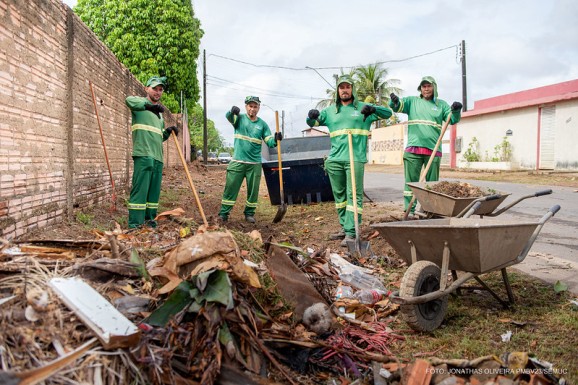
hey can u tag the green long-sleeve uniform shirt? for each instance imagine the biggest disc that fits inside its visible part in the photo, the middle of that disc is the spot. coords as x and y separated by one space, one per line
425 119
248 137
348 118
148 131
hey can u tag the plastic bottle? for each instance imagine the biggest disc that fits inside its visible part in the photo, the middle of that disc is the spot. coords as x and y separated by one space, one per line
343 291
370 297
361 280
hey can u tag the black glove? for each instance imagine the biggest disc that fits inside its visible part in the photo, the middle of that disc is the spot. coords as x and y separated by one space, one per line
171 129
394 98
367 110
456 106
278 136
235 110
156 109
313 114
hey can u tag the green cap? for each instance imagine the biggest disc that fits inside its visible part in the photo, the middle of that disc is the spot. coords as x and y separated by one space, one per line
250 99
344 79
156 81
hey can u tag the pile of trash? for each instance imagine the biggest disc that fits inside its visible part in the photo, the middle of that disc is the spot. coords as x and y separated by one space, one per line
173 305
165 306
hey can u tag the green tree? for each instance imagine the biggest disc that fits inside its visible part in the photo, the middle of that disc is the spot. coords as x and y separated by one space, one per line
158 37
373 85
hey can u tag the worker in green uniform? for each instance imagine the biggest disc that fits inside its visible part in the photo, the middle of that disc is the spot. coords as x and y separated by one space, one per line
250 131
148 135
426 115
347 114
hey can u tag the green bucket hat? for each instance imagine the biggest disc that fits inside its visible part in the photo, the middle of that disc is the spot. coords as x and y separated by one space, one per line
432 81
156 81
250 99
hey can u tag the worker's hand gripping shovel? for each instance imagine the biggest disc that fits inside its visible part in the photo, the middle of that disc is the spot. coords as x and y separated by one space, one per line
357 248
428 165
282 209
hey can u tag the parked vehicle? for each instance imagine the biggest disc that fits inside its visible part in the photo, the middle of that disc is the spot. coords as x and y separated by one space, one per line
212 157
224 157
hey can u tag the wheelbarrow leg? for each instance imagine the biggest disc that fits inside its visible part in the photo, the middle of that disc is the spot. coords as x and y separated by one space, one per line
505 304
507 285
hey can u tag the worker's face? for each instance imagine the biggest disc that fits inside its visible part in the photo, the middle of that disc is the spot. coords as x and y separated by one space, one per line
155 93
345 93
427 91
252 110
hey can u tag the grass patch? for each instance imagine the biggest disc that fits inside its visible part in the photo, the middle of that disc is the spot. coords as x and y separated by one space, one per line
542 323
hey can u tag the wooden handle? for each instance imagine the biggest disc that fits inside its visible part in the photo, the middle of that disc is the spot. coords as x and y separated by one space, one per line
279 163
190 179
103 146
430 161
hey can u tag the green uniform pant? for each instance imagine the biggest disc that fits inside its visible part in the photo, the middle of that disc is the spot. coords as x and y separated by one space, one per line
145 192
236 172
412 166
340 177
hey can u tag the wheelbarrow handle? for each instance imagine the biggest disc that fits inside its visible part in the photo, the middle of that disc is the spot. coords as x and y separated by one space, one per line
554 209
544 192
476 205
492 197
512 204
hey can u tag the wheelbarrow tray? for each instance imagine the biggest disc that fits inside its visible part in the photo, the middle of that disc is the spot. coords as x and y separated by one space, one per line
476 245
447 206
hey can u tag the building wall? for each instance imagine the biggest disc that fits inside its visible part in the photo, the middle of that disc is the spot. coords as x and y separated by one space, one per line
566 140
51 153
386 145
490 129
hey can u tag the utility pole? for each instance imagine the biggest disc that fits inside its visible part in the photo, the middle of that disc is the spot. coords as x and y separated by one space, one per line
205 133
283 122
464 78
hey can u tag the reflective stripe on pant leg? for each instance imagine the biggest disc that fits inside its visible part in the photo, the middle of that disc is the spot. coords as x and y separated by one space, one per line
154 191
253 175
338 179
141 177
412 165
234 179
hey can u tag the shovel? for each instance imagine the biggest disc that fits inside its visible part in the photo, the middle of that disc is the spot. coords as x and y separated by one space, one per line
282 209
430 161
113 194
358 247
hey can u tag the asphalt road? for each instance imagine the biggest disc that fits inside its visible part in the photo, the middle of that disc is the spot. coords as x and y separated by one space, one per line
554 254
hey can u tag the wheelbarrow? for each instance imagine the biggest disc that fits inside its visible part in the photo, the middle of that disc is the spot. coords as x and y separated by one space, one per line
472 246
435 204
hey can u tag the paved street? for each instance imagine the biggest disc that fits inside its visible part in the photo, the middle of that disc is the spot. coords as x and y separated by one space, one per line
554 255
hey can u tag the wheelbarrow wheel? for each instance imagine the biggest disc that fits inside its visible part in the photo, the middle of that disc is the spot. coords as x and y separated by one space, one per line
421 278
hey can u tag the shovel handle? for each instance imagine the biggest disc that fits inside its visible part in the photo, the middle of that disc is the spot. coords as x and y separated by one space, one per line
430 161
189 178
353 187
280 164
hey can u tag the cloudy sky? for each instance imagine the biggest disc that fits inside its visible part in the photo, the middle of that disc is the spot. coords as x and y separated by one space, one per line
511 45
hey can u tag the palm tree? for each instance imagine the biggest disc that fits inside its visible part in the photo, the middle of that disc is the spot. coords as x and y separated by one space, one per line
373 85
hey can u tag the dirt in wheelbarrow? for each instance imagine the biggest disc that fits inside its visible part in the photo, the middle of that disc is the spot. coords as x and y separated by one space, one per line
456 189
543 322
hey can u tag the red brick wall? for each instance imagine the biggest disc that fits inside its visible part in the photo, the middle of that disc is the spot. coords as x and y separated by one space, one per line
51 153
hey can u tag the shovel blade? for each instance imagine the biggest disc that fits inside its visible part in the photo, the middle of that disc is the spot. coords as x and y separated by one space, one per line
281 210
359 248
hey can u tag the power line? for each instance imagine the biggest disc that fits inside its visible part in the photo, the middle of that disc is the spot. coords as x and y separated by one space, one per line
254 88
268 93
307 68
